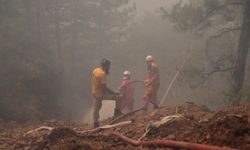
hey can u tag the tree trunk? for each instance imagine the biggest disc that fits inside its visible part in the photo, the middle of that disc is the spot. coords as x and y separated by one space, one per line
28 8
38 22
1 7
242 54
58 37
74 43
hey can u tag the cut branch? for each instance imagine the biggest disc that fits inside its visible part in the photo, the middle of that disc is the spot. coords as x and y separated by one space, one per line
106 127
158 124
173 80
38 129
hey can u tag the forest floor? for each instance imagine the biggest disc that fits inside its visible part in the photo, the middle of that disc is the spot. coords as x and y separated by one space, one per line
195 124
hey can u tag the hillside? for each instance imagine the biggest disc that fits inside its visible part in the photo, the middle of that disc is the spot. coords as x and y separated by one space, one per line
188 123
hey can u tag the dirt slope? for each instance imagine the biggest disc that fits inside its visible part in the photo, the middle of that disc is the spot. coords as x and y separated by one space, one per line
230 128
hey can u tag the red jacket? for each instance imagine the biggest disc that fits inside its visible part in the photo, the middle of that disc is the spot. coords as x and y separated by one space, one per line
153 77
127 89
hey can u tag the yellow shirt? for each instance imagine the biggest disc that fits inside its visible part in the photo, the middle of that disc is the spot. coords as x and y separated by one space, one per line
98 79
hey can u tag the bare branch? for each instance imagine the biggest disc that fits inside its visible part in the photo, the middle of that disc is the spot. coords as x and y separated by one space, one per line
212 12
219 35
219 70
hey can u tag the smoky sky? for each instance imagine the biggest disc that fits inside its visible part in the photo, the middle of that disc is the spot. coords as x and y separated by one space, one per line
144 6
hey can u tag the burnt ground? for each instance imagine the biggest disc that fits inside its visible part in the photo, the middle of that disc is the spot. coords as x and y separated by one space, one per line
227 128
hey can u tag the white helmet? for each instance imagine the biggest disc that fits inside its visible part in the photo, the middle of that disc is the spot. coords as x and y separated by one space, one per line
126 73
149 58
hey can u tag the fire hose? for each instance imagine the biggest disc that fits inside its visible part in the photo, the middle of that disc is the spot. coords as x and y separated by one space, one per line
169 143
125 115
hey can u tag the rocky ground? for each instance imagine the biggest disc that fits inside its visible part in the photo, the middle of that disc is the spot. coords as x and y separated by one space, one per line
227 128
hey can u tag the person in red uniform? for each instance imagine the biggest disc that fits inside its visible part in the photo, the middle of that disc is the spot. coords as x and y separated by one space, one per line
152 83
126 89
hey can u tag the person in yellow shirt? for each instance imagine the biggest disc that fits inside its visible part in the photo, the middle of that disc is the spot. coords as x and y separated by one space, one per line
101 92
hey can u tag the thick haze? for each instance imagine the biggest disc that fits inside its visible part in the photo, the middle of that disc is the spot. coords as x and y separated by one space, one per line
150 35
151 6
49 49
155 36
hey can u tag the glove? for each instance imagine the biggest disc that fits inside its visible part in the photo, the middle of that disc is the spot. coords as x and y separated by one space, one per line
117 93
145 99
147 83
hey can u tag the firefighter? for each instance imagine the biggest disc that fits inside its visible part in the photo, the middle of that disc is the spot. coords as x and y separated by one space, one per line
152 83
127 91
101 92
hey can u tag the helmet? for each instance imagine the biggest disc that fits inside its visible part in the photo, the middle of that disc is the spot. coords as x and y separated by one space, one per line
149 58
105 63
126 73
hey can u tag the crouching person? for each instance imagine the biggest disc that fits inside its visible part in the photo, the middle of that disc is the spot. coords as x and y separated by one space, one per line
127 92
101 92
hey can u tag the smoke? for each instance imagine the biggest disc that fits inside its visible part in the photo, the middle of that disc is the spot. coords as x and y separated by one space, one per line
62 48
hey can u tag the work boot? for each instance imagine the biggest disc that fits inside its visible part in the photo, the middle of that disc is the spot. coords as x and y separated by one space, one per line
117 113
132 118
145 108
156 106
96 125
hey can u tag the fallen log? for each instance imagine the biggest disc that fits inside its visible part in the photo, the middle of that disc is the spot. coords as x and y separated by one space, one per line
106 127
168 143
